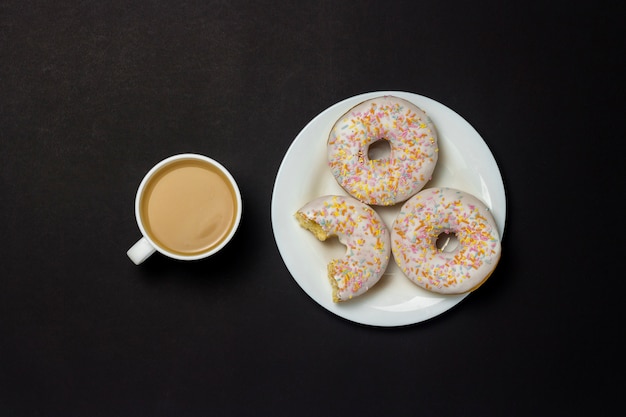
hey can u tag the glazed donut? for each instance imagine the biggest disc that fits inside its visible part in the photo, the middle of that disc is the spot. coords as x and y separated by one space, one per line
363 233
411 161
432 214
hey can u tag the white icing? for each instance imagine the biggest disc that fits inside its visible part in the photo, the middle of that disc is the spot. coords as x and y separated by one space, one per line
412 157
435 211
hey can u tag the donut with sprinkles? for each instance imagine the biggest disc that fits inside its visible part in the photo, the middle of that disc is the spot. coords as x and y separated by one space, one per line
390 179
364 234
421 236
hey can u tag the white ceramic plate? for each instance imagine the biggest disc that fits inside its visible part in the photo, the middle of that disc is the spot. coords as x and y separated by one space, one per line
465 163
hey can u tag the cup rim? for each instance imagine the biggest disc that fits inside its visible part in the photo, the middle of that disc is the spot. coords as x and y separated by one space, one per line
167 161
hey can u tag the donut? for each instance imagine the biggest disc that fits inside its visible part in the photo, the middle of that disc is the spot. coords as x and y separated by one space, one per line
412 156
364 234
444 215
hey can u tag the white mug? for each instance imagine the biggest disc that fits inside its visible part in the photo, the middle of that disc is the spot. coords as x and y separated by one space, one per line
187 207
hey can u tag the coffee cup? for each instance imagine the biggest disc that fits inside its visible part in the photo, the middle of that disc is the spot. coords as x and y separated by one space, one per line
187 207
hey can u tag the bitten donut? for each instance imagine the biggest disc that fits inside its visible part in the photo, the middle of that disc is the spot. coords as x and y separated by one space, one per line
363 233
412 157
435 214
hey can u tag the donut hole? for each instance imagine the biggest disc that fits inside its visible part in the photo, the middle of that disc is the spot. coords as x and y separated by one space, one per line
447 242
334 248
380 149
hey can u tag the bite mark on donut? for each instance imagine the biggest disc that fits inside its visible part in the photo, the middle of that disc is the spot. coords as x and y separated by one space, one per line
312 226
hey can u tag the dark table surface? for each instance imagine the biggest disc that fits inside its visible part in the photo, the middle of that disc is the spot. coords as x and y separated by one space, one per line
93 93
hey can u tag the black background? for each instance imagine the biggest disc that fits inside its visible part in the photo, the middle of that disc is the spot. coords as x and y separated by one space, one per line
94 93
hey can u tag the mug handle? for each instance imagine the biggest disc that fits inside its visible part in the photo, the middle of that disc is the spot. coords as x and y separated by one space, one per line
140 251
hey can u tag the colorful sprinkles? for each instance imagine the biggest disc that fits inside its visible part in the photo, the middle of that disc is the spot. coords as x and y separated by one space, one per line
410 164
421 221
